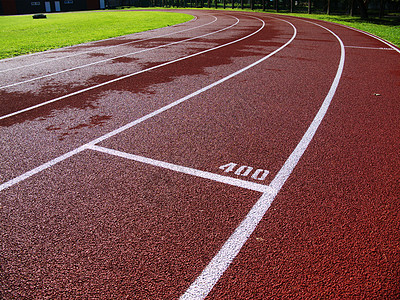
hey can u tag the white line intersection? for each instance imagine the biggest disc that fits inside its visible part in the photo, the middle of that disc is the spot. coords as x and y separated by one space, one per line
190 171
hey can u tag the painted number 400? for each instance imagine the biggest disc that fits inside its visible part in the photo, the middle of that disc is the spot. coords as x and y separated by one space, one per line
258 174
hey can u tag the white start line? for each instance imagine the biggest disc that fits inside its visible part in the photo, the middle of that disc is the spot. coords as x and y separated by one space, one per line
194 172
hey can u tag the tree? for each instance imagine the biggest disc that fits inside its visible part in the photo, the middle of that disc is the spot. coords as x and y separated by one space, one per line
363 5
382 9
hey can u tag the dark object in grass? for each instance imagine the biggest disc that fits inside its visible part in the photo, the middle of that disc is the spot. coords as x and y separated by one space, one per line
39 16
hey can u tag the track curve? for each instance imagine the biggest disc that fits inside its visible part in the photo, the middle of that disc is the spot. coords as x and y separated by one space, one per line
147 170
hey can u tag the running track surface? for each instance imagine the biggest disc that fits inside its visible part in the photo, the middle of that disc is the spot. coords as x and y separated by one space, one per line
235 156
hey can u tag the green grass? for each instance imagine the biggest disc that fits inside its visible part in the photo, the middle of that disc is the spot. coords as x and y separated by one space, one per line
386 28
23 34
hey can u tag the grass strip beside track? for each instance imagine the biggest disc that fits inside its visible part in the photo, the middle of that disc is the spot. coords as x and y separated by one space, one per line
387 29
23 34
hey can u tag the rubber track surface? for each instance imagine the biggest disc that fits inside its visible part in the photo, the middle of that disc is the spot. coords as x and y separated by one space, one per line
235 156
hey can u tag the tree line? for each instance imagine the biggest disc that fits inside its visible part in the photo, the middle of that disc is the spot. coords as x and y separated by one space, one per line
362 8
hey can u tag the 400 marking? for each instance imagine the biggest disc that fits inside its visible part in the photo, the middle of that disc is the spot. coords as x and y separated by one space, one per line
258 174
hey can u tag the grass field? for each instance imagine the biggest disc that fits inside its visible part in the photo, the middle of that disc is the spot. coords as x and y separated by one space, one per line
23 34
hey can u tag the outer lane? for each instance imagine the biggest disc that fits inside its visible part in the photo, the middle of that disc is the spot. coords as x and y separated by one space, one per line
102 237
333 230
53 80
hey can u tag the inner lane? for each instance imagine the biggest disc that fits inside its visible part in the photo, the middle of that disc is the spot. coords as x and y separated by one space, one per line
95 76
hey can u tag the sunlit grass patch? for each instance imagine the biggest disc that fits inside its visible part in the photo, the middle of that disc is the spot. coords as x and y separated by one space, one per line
23 34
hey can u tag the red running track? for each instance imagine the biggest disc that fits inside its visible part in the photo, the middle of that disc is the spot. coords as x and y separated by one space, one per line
235 156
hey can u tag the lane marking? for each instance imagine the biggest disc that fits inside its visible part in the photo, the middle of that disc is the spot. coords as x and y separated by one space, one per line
204 283
301 147
186 170
373 36
41 168
84 147
360 31
116 57
95 50
130 75
243 170
369 48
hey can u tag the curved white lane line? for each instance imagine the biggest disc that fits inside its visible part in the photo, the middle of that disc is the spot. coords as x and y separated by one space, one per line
97 50
203 284
373 36
136 73
69 154
293 159
89 43
111 58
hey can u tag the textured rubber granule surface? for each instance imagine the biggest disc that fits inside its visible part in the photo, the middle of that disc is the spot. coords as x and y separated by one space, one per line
126 170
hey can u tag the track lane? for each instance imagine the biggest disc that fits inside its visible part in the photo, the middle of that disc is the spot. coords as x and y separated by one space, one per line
99 77
331 232
116 242
205 282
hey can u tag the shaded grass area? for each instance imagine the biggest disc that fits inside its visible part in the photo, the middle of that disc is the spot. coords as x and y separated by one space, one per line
23 34
387 28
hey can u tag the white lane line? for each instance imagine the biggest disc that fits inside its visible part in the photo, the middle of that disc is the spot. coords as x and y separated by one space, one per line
133 123
204 283
116 57
294 158
189 171
41 168
130 75
368 48
95 50
373 36
393 47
